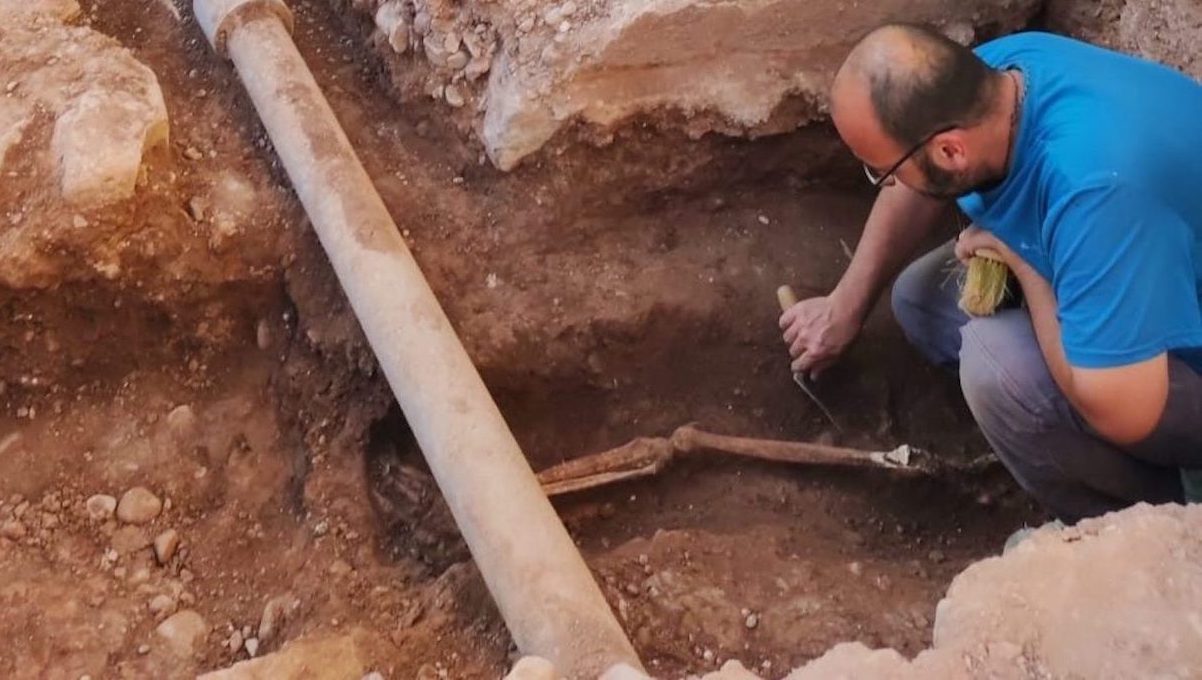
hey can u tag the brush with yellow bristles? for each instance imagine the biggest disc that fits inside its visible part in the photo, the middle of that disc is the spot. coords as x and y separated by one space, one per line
985 283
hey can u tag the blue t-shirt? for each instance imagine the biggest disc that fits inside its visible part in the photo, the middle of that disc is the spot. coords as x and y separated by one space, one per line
1104 197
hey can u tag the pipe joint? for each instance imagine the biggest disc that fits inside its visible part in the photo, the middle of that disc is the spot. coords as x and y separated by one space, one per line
218 17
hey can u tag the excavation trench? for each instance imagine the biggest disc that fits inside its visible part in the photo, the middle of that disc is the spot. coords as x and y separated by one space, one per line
626 302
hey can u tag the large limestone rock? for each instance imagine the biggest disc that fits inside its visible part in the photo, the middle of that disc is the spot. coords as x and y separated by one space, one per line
1115 597
734 66
106 106
1164 30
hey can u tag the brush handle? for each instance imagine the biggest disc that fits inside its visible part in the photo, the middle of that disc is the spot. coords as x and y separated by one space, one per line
786 297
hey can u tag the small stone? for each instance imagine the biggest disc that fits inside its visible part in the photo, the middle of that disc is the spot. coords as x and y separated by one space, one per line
184 632
182 420
275 614
192 153
752 621
100 507
13 530
165 545
197 208
143 649
234 643
340 568
79 222
526 24
161 604
453 96
708 655
763 219
252 646
855 568
374 675
458 60
138 506
321 528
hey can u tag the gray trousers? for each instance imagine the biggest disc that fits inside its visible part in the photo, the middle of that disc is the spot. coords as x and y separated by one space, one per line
1051 451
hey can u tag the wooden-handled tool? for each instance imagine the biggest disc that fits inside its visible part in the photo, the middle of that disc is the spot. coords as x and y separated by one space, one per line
787 298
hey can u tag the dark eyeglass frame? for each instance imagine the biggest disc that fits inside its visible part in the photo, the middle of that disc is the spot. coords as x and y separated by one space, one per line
880 181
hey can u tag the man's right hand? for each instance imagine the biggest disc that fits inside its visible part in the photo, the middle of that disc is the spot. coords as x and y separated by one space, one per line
817 332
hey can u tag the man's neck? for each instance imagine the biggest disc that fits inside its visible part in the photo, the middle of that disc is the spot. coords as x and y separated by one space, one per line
1001 132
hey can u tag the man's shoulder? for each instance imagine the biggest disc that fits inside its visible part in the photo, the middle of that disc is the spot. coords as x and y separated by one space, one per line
1005 50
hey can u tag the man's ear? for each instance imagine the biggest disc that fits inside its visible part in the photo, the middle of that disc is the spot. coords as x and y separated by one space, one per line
950 150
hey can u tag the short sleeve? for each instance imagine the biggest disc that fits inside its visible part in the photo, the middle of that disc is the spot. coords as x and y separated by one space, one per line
1123 274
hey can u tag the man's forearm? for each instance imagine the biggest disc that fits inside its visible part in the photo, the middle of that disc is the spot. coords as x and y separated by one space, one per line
901 219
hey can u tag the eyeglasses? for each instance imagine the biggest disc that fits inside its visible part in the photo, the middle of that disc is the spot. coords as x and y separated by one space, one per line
886 178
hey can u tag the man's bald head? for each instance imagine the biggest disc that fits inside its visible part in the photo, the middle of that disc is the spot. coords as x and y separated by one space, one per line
915 80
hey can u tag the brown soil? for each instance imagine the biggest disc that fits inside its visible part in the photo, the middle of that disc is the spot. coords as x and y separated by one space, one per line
604 293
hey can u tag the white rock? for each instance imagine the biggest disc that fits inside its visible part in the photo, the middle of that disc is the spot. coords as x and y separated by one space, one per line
390 19
100 138
101 506
165 545
453 96
138 506
532 668
182 420
252 646
161 604
275 615
184 632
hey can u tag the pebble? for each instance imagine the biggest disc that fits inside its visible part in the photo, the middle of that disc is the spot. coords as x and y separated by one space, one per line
192 153
184 632
458 60
12 529
752 620
138 506
275 615
763 219
252 646
161 604
165 545
453 96
855 568
181 420
196 208
374 675
144 649
234 643
101 506
79 222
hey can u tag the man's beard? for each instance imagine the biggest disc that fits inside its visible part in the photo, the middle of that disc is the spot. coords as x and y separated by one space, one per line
947 185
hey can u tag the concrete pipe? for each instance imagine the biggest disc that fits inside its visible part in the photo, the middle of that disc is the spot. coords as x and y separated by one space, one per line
543 588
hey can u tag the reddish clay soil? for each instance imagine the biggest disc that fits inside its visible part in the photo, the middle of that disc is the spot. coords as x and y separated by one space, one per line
605 293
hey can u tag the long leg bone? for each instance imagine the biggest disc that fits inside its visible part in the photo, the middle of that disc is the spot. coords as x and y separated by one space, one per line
646 456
